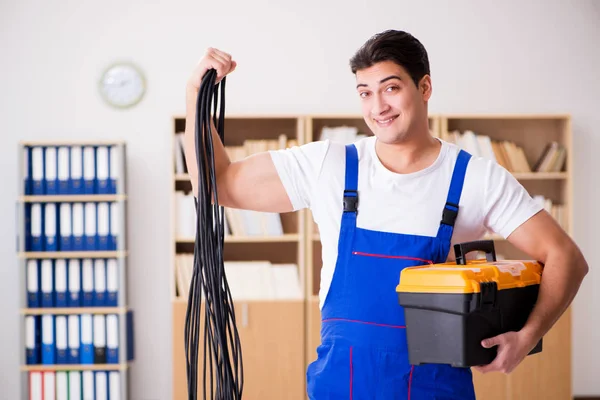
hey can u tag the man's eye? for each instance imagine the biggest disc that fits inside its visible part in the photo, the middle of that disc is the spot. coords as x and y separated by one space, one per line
391 88
363 94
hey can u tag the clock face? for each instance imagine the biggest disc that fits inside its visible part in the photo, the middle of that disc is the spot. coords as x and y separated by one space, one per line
122 85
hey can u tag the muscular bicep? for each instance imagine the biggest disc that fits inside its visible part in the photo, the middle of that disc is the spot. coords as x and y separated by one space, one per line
253 184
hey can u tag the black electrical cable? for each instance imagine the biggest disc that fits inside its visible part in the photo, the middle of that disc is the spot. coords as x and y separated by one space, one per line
222 348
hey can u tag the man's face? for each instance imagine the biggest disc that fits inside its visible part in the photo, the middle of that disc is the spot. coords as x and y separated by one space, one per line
391 103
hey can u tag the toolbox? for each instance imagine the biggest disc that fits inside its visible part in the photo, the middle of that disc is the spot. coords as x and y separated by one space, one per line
451 307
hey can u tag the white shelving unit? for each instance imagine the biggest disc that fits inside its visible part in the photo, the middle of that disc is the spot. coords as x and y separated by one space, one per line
117 201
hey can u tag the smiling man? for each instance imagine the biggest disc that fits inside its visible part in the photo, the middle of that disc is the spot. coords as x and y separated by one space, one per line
386 202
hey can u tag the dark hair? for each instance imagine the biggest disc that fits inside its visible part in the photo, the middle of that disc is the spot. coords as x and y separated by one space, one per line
397 46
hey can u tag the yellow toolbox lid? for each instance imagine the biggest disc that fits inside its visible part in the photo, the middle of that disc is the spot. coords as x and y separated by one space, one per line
457 278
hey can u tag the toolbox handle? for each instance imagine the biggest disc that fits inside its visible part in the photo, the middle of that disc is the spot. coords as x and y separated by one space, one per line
461 250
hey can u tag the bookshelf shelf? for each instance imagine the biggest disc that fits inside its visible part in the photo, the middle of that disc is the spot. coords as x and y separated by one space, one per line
74 310
33 143
541 175
76 367
182 177
72 198
506 117
288 237
73 254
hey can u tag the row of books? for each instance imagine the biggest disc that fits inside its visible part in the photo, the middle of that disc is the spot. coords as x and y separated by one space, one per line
235 153
237 222
72 339
341 134
508 154
553 158
54 170
255 146
78 283
64 385
248 280
71 226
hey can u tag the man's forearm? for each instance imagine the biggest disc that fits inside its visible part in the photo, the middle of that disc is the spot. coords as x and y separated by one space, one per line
221 158
562 275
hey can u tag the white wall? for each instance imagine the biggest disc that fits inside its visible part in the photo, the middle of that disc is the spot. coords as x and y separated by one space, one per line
505 57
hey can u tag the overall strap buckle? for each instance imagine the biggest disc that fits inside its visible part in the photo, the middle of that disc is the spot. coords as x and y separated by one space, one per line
350 201
450 213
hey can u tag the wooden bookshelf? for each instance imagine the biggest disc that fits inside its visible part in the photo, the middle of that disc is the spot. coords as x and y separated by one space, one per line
546 375
286 237
273 368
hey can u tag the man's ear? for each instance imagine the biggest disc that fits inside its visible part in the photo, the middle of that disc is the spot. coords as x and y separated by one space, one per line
425 87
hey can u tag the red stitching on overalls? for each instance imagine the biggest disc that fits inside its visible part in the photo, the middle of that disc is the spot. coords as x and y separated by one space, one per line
359 253
364 322
351 372
412 367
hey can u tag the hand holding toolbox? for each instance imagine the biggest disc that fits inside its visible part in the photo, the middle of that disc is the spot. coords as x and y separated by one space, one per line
451 307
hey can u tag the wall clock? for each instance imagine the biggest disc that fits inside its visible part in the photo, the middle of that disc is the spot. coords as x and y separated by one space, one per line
122 85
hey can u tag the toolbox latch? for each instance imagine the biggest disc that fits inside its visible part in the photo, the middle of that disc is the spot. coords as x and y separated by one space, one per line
487 299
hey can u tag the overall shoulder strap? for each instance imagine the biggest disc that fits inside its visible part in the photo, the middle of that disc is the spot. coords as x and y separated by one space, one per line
351 186
450 211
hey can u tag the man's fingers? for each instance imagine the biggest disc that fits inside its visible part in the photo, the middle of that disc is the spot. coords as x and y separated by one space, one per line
493 366
221 62
220 59
496 364
500 364
491 342
222 54
225 64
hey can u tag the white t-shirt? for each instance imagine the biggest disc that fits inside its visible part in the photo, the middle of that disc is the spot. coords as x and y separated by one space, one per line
314 175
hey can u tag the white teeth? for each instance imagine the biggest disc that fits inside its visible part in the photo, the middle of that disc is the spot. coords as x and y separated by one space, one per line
385 121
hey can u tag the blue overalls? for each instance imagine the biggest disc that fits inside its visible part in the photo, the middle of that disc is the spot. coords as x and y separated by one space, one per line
363 352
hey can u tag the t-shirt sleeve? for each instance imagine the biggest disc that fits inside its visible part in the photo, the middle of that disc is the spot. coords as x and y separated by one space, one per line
507 203
299 168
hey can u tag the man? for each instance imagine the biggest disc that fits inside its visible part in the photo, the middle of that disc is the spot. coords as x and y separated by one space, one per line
379 205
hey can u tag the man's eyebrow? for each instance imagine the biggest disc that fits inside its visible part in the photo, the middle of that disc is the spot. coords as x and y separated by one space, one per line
390 77
381 81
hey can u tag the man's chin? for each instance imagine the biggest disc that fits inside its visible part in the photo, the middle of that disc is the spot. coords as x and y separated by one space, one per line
390 137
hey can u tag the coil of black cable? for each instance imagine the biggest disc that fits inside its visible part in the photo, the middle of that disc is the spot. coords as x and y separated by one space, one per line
222 372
